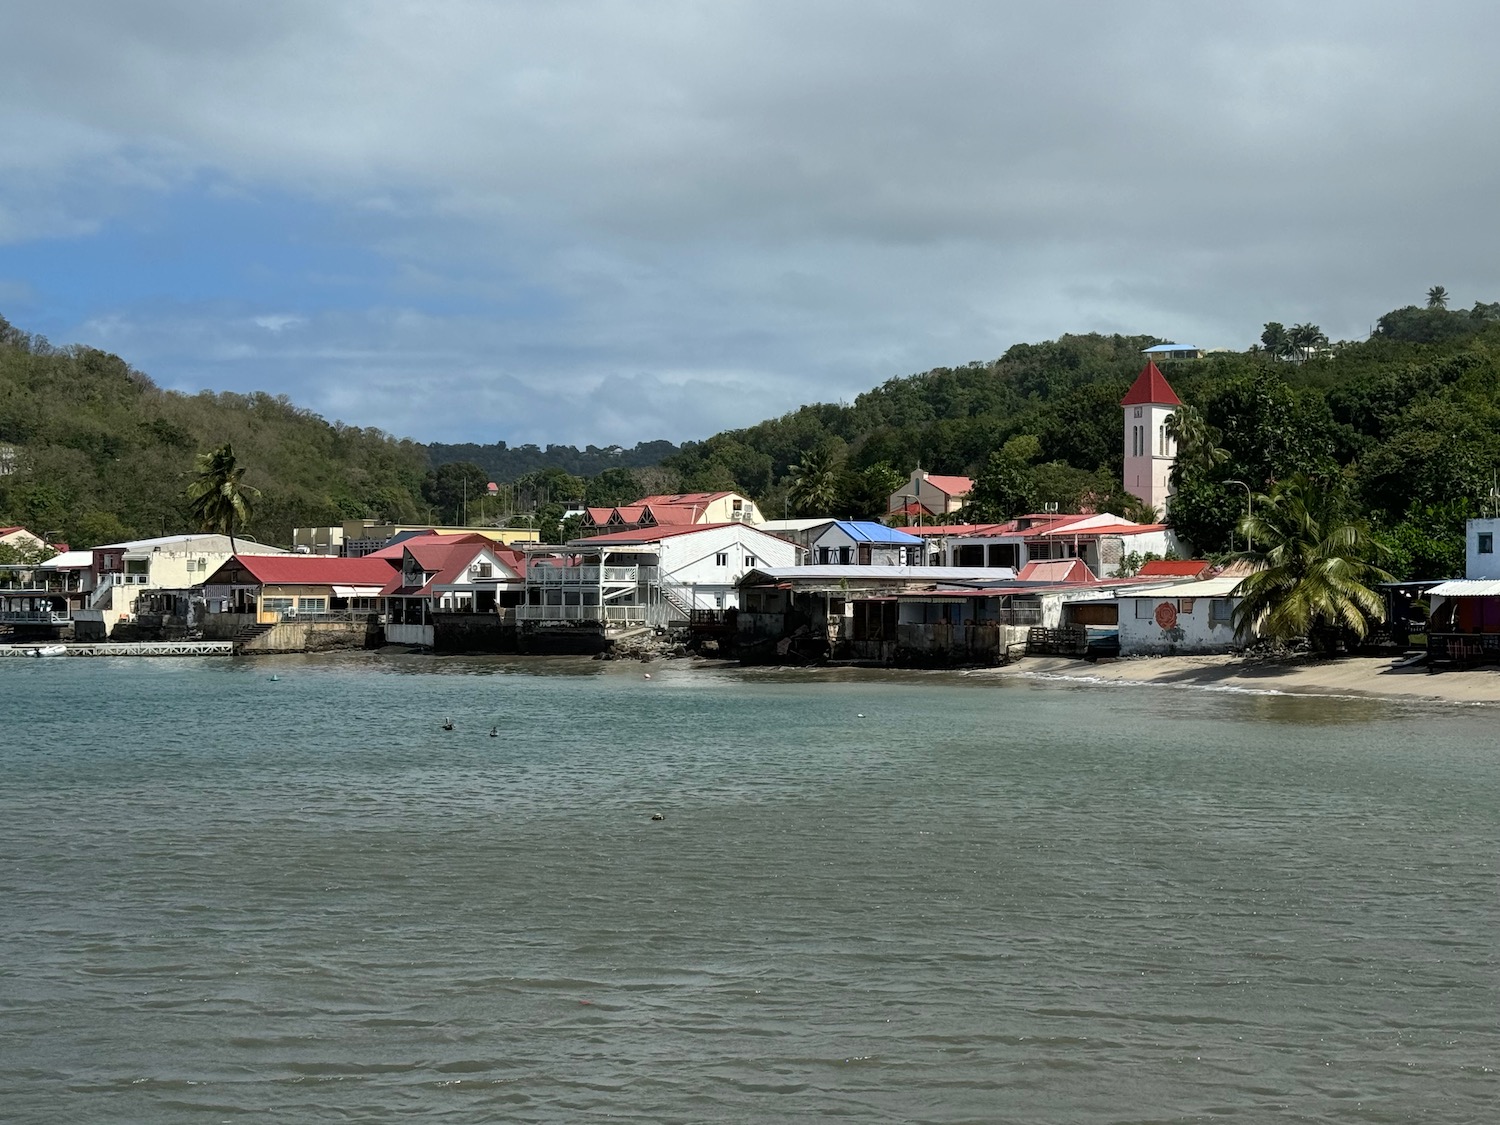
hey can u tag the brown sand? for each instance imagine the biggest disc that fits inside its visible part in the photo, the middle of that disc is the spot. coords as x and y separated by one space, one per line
1353 675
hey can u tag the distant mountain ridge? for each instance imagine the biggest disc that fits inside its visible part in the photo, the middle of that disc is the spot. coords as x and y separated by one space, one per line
506 463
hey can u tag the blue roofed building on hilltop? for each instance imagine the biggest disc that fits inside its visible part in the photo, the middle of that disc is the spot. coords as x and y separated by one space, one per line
866 543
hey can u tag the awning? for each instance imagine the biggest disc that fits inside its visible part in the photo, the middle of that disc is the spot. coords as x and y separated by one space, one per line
356 591
1467 588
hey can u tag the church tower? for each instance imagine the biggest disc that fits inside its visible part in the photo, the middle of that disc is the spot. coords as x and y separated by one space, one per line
1149 452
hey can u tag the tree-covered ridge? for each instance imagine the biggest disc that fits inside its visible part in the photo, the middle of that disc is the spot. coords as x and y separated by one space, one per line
506 464
99 453
1403 425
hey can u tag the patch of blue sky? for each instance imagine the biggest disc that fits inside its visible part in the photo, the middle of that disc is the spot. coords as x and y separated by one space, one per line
204 245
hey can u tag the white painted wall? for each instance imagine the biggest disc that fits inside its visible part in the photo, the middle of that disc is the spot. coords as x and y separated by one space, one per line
1148 473
693 561
1194 631
1482 564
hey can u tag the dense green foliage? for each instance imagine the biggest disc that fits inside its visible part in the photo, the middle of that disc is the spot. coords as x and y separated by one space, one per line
1406 424
102 454
1313 567
505 463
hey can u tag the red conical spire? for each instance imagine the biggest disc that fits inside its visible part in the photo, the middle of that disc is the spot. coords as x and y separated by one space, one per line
1151 386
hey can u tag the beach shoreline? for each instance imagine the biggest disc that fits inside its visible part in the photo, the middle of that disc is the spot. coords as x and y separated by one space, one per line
1372 676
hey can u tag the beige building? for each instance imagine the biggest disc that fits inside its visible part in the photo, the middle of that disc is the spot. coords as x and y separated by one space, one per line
927 495
354 538
121 572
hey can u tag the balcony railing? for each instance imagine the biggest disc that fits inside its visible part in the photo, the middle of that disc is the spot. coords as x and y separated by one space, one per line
588 575
33 617
613 614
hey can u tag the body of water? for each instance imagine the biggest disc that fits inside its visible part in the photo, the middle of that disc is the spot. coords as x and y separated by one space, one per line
277 891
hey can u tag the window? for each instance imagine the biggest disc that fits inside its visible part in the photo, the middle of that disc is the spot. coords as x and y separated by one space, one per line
1143 609
1161 440
846 554
721 559
749 560
276 605
1138 411
483 570
1220 611
312 605
1486 542
823 554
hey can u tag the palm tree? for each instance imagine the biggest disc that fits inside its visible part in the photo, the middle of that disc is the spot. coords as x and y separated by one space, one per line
1304 338
815 481
1276 341
1437 297
1197 442
1312 569
219 499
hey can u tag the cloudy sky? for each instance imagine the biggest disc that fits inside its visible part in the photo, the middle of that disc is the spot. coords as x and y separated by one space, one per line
610 222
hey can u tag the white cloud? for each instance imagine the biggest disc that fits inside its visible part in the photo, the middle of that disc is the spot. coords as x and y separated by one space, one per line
682 216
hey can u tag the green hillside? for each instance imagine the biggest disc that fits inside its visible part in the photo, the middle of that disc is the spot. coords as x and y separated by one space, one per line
1403 427
100 453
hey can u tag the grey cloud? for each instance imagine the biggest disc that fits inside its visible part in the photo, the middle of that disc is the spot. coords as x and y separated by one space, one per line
801 200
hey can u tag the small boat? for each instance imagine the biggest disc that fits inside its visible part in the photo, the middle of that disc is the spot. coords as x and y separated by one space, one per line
49 650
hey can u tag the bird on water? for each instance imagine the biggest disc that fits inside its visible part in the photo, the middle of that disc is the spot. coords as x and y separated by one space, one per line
494 732
447 724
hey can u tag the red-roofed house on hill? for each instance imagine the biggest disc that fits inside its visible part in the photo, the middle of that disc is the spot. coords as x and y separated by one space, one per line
1149 449
681 509
925 495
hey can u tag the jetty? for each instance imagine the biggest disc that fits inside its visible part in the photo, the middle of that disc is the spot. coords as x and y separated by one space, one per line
136 648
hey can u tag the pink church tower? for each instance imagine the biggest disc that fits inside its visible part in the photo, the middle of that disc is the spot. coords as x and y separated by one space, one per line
1149 452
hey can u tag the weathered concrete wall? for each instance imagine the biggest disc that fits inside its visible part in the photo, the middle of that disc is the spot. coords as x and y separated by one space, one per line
940 645
225 626
309 636
472 632
1189 632
582 641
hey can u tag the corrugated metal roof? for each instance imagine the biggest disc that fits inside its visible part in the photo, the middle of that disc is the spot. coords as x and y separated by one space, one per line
1208 588
1468 588
868 531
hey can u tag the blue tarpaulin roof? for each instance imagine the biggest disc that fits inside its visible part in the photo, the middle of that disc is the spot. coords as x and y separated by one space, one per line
868 531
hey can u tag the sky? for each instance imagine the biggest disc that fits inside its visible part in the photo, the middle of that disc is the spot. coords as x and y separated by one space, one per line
600 222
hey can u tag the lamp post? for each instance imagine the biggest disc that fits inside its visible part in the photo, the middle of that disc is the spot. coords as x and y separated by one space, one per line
1248 509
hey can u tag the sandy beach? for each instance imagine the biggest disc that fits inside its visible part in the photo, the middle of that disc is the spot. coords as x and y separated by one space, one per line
1357 675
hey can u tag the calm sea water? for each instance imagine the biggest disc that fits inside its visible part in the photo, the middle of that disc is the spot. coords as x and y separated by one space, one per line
226 896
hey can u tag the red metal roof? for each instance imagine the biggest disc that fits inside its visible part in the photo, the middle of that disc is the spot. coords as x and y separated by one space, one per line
313 570
649 534
683 498
448 563
1093 532
953 486
395 549
1151 386
1175 568
1056 570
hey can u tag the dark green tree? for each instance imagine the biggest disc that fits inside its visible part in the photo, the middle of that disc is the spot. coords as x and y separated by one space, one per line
1313 570
218 498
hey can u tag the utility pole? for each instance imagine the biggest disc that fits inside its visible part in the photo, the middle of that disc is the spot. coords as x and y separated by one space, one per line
1248 510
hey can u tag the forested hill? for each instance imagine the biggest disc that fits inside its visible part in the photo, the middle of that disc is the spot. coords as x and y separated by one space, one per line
97 453
1405 427
508 463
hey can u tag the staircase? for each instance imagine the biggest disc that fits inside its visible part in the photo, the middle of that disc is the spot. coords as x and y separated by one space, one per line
248 633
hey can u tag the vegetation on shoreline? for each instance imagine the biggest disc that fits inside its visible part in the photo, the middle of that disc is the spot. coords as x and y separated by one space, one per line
1405 426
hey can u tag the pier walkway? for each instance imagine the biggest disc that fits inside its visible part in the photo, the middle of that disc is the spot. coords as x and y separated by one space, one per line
136 648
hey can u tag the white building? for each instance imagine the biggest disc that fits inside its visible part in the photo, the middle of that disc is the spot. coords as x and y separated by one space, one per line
1149 451
655 576
1480 559
1102 540
1190 617
865 543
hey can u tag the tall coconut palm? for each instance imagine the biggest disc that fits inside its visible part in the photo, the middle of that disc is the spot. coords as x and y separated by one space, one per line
1197 442
1304 338
219 499
1437 297
815 482
1312 571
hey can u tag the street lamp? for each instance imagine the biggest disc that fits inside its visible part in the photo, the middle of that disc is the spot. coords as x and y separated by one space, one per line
1248 510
